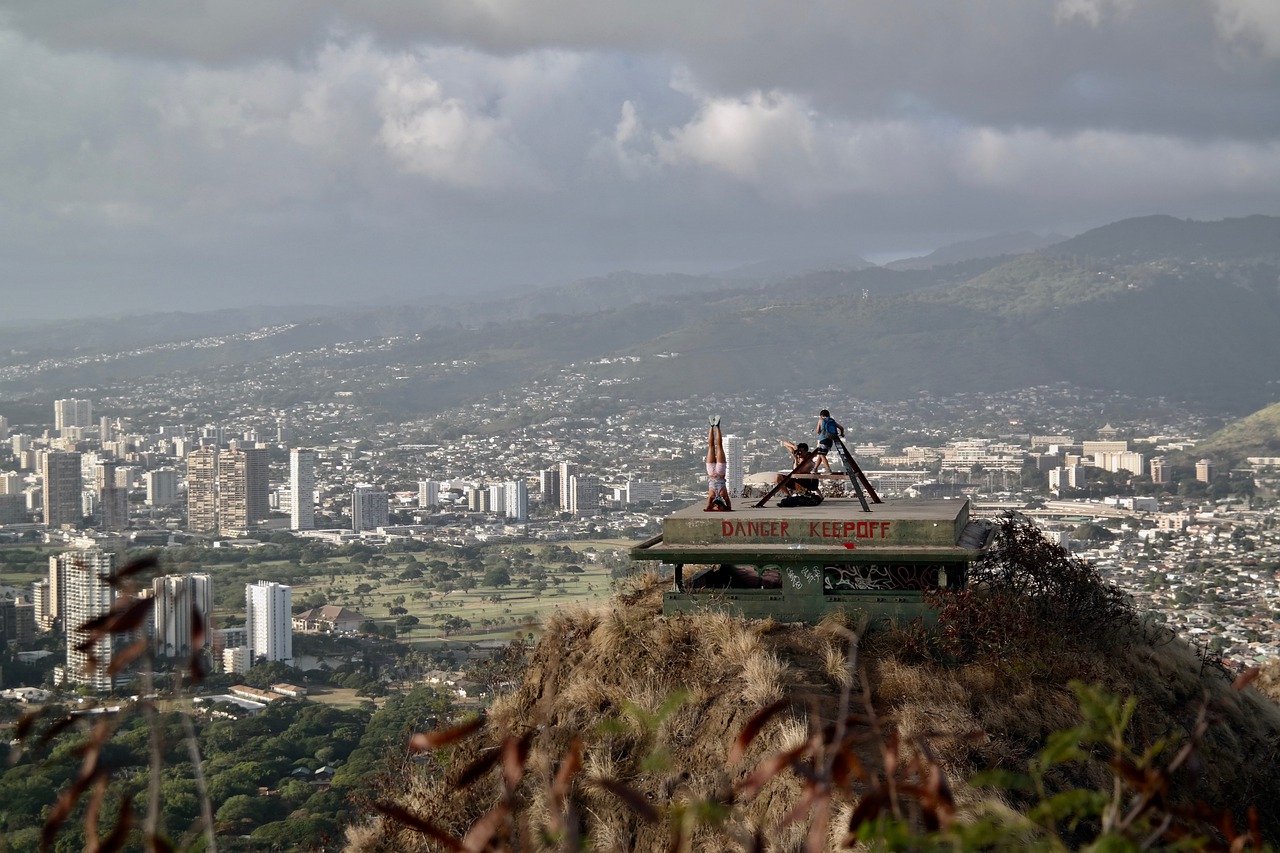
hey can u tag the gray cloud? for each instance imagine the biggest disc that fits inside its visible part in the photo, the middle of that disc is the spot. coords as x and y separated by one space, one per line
275 151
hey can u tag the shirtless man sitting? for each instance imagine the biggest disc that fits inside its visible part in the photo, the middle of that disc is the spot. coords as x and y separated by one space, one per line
799 452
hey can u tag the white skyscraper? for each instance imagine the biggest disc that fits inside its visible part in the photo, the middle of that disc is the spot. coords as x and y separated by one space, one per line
269 621
567 471
428 493
176 596
733 465
10 483
88 595
162 487
497 497
517 500
72 413
368 508
302 488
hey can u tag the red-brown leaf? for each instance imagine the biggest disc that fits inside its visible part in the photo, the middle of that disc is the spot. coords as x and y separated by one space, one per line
436 738
632 799
127 655
1246 678
127 614
570 764
404 817
768 768
132 568
476 769
514 754
198 628
753 727
869 808
56 728
483 830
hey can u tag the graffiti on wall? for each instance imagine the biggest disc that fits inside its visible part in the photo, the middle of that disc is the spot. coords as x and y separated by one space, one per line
878 576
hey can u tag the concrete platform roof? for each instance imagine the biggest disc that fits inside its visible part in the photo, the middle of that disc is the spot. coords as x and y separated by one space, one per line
908 529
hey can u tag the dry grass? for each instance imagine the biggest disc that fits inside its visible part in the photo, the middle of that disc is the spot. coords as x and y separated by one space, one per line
835 666
1268 682
765 677
623 664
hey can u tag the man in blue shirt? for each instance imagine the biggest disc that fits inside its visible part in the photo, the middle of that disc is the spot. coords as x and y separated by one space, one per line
827 431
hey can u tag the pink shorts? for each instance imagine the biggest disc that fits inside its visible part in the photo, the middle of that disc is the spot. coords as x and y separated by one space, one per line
716 476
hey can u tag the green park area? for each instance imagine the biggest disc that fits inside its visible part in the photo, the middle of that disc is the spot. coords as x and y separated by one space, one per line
421 594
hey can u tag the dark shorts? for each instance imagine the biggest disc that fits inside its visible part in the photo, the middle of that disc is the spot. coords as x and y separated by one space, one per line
824 445
810 483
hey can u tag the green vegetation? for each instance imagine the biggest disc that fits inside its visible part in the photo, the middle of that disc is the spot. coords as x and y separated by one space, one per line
288 776
1256 435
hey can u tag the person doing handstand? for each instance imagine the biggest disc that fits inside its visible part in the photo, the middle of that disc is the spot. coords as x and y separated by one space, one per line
717 468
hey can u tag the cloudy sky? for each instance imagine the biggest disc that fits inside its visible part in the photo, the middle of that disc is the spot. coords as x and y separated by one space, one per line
176 154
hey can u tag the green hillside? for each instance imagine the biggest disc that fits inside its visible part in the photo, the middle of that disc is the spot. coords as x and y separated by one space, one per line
1256 435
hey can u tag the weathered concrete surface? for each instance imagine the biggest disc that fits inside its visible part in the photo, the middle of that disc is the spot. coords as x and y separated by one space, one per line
833 523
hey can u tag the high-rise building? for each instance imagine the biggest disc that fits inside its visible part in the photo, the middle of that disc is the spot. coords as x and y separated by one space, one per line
62 486
734 469
516 494
368 508
10 483
72 413
8 622
498 497
202 490
40 598
212 435
642 490
567 471
243 489
25 616
177 599
549 486
269 622
1160 470
4 427
113 501
162 487
302 489
478 500
584 495
88 595
13 509
1206 471
428 493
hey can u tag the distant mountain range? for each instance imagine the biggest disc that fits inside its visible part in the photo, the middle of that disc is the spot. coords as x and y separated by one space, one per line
984 247
1149 306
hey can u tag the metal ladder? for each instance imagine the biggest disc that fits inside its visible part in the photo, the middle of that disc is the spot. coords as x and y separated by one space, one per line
851 468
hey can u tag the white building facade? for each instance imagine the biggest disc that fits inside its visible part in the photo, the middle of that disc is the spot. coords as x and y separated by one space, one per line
178 598
302 489
269 622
